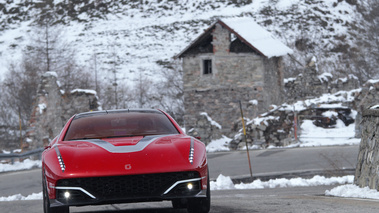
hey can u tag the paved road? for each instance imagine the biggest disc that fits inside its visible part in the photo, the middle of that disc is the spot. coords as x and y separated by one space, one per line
265 162
281 200
278 161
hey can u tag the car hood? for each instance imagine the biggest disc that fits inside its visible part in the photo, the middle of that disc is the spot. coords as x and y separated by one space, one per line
126 156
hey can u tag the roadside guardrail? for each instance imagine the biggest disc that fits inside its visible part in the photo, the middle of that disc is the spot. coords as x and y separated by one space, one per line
12 156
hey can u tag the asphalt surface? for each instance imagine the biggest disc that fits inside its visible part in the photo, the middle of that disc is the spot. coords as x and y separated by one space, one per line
287 162
281 200
266 164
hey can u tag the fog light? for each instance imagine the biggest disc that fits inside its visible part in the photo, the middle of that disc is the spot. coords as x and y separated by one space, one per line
189 186
67 195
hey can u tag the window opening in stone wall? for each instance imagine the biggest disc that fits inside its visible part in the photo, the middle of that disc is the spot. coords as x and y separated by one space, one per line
207 66
233 37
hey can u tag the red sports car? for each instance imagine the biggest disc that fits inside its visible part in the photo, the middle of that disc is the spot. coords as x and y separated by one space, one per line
121 156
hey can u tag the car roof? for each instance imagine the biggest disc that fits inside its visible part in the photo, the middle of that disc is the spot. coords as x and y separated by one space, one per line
103 112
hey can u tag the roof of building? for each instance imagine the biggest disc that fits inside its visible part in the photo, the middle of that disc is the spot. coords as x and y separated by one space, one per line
249 32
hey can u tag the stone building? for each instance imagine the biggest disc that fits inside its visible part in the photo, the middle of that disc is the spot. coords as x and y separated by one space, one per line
233 60
52 109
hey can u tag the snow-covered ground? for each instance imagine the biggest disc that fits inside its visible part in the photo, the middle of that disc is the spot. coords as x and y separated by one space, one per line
224 183
34 196
346 190
312 135
26 164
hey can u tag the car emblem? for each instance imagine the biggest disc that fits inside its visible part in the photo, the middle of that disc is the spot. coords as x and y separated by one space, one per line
128 166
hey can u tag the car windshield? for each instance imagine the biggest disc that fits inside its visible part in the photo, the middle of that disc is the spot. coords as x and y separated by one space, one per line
124 124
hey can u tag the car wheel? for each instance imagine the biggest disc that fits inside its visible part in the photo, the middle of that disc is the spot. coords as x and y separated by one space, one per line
200 205
46 202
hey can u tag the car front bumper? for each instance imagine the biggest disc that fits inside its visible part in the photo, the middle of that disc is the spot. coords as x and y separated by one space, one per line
128 189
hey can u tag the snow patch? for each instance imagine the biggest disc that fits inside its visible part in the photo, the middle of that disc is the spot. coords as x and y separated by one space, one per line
214 123
253 102
286 80
26 164
41 108
373 81
312 135
218 145
87 91
50 73
17 197
225 182
353 191
325 77
330 114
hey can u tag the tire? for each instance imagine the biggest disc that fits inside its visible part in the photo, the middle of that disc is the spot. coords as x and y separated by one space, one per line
200 205
46 202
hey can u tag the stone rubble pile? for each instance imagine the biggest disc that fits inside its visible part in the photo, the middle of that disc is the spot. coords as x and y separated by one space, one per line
277 128
274 128
206 129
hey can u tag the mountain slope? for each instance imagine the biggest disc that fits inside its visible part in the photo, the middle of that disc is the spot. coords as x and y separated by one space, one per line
138 35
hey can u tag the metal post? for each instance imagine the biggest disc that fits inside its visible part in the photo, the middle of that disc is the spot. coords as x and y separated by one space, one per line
19 119
247 146
295 123
12 159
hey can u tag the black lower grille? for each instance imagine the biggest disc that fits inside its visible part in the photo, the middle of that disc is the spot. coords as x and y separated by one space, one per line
129 186
182 189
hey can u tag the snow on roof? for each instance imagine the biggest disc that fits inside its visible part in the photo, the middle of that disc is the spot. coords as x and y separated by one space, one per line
257 37
248 31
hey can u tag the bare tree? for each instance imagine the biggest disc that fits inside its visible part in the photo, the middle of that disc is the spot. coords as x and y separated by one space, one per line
18 92
142 91
168 94
47 51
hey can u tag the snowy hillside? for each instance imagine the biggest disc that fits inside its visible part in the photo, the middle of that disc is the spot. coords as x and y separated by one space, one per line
146 36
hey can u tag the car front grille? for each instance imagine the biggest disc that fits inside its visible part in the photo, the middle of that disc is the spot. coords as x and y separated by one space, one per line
128 186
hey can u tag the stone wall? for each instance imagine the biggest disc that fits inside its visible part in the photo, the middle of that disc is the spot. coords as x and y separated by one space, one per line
221 104
367 169
368 96
53 108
